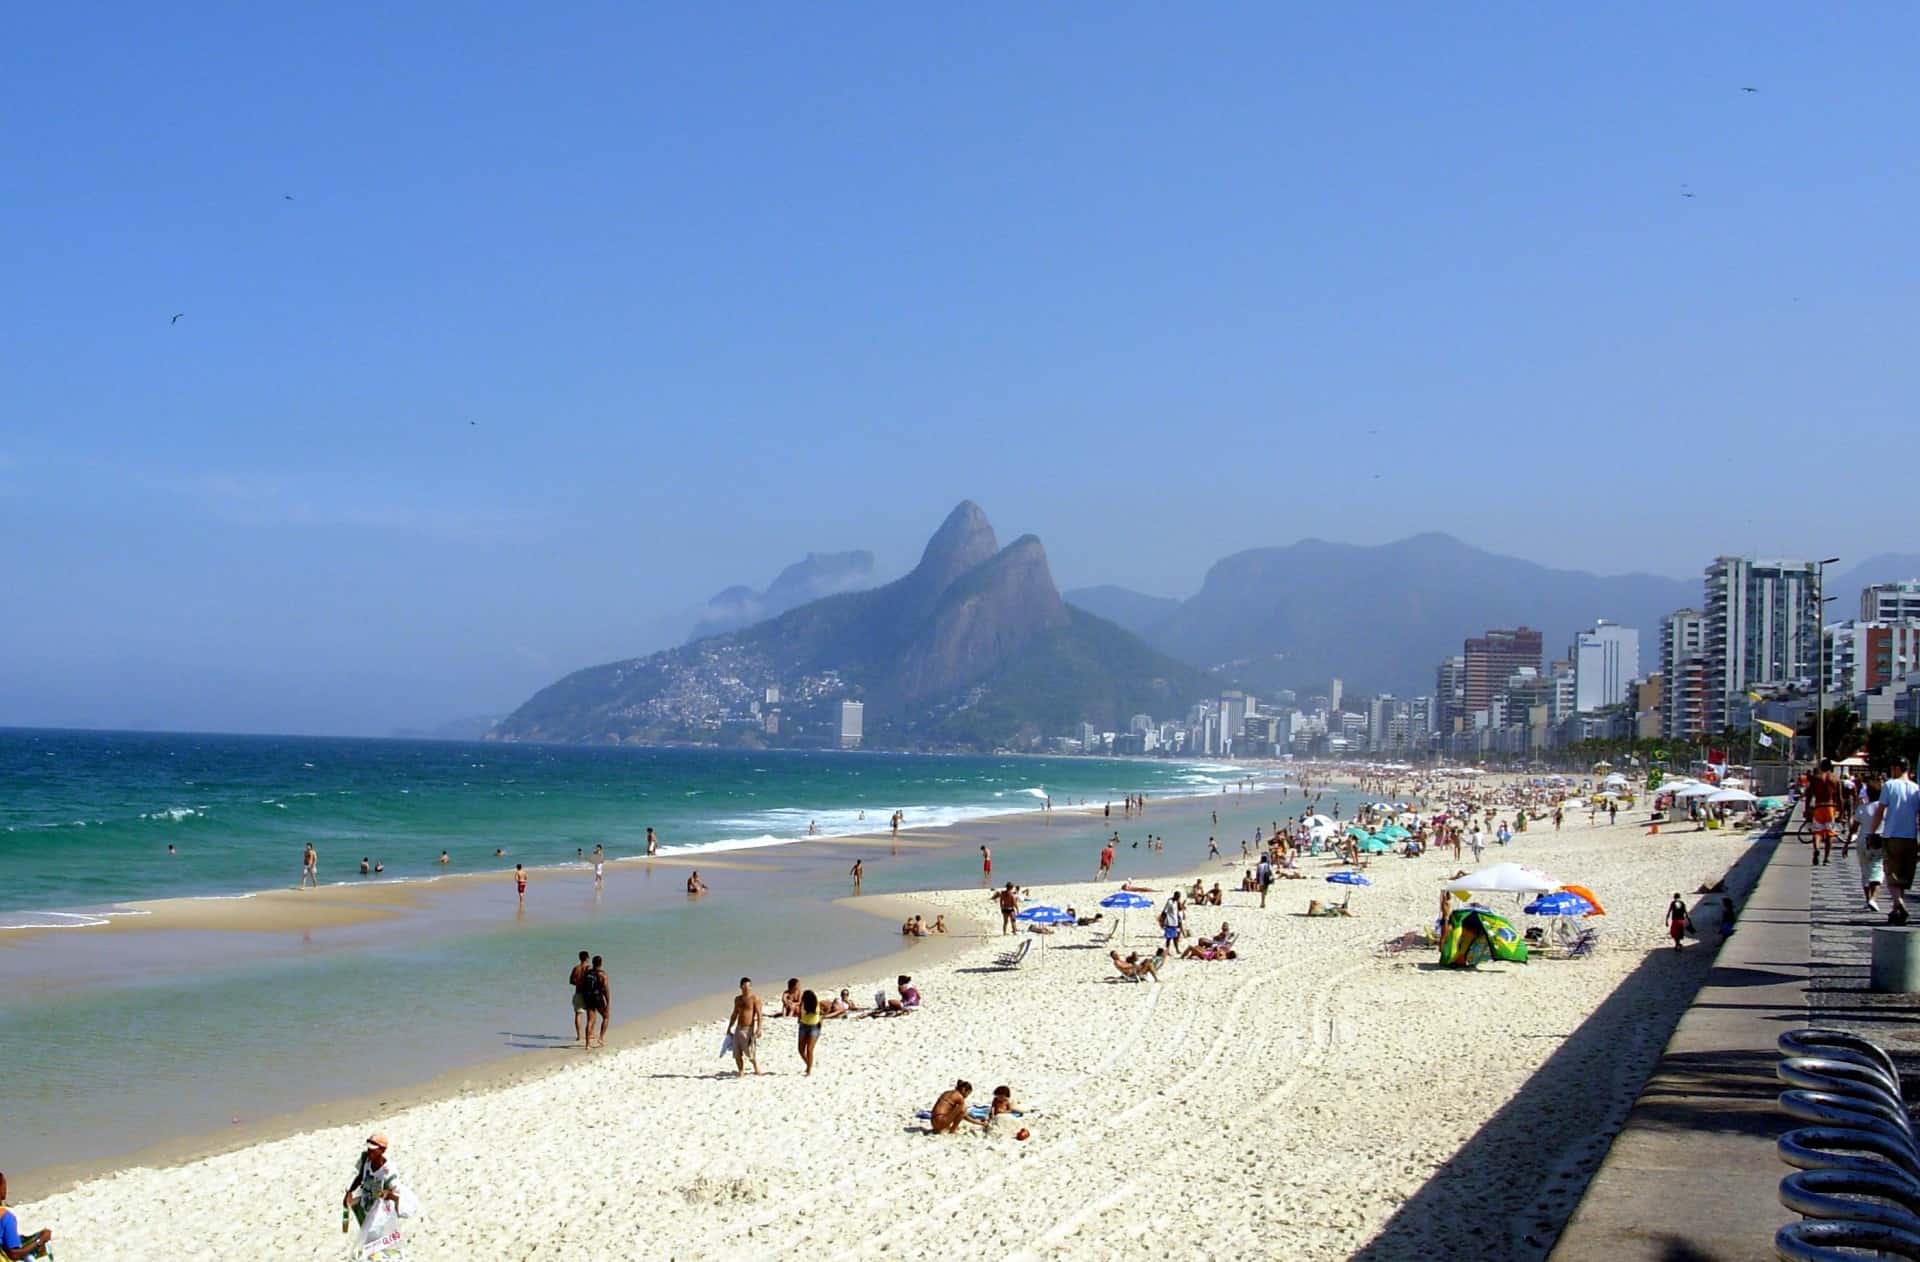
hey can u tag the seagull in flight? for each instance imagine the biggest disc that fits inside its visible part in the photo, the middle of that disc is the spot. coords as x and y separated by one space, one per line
1749 89
176 318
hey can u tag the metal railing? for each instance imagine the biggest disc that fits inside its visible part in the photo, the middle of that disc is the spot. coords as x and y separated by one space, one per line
1856 1182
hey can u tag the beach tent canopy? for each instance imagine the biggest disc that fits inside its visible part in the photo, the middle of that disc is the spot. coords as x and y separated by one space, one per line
1504 878
1732 795
1697 791
1475 935
1855 761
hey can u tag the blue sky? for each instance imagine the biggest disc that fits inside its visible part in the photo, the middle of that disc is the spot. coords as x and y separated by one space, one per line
576 316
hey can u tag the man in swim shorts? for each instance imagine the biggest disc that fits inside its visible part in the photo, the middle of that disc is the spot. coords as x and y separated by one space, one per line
744 1027
1823 809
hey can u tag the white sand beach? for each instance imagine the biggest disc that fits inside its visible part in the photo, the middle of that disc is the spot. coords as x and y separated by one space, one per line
1286 1104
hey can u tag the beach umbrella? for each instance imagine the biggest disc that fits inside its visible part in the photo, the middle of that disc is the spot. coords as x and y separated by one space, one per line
1041 914
1558 903
1731 795
1587 894
1123 902
1505 878
1697 791
1375 844
1319 821
1347 876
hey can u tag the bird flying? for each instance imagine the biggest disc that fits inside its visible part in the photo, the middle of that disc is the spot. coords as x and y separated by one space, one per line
176 318
1749 89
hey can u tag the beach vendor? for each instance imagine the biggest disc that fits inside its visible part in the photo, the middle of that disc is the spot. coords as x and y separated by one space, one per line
12 1244
374 1181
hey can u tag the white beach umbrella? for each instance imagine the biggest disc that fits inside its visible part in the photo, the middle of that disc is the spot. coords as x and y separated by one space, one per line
1505 878
1731 795
1697 791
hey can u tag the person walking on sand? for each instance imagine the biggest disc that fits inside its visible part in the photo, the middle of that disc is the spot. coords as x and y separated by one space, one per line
14 1245
520 883
1895 818
310 868
1263 878
810 1019
1677 920
856 872
743 1028
1009 901
577 979
1106 861
374 1180
598 992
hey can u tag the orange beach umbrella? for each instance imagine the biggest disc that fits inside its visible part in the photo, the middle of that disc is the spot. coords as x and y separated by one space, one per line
1587 894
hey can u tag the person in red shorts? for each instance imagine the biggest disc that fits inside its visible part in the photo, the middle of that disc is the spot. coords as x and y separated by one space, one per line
1823 809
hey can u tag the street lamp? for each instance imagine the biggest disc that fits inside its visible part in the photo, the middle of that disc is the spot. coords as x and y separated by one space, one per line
1820 656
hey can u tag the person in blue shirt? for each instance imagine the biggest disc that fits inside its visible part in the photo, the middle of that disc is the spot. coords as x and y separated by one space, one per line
1896 819
12 1244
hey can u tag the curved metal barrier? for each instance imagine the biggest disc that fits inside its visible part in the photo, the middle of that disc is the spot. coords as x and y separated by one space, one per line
1824 1108
1846 1075
1869 1196
1818 1042
1857 1182
1813 1241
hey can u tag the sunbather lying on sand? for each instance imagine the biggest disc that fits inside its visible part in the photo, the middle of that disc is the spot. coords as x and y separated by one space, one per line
1207 951
1131 888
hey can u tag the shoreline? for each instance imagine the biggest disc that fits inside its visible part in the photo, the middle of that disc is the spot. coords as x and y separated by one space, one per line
340 907
341 904
487 1076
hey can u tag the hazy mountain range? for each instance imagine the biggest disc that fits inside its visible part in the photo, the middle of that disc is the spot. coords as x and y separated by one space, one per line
1381 618
973 647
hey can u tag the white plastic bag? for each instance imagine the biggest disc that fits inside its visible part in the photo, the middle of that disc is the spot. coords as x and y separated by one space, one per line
380 1237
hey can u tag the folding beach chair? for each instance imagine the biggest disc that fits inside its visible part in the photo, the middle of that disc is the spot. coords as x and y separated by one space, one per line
1016 957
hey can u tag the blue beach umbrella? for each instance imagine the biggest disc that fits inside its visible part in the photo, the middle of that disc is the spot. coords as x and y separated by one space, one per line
1043 915
1558 904
1347 876
1123 902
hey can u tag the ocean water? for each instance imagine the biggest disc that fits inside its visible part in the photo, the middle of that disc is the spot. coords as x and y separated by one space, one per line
110 1042
86 817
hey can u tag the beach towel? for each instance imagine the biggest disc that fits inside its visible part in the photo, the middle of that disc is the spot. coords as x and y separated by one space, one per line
978 1112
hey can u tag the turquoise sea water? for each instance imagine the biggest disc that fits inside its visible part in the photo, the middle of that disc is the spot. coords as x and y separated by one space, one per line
110 1042
86 817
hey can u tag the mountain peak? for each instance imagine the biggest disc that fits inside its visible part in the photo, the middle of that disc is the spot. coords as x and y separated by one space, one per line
965 540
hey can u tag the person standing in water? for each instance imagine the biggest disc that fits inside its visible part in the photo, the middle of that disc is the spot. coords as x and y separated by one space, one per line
310 868
986 861
520 883
858 870
653 843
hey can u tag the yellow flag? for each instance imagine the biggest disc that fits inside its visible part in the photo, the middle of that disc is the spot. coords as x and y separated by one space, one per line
1753 696
1778 729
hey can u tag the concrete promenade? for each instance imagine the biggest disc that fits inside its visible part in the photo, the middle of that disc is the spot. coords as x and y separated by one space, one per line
1693 1174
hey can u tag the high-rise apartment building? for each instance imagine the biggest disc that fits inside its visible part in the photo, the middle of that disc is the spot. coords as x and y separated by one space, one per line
1606 659
1449 693
1493 658
1763 630
1333 696
1683 669
852 718
1891 602
1864 656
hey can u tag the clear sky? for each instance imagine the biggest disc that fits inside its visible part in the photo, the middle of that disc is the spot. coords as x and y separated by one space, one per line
507 330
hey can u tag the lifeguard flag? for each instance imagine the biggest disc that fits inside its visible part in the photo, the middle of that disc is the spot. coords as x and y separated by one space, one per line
1753 696
1766 740
1717 757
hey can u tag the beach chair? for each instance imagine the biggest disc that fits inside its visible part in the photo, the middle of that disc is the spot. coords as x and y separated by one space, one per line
1016 957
